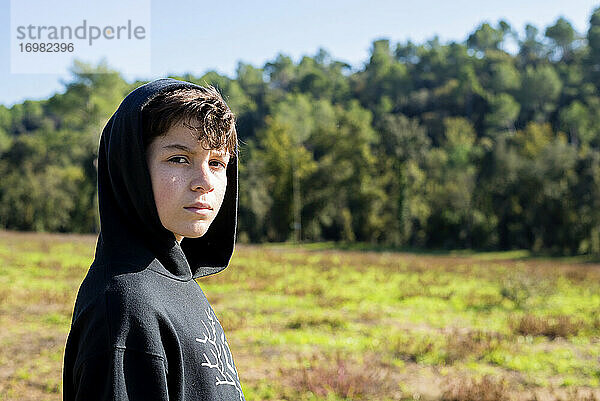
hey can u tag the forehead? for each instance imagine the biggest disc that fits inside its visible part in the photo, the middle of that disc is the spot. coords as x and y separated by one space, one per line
180 134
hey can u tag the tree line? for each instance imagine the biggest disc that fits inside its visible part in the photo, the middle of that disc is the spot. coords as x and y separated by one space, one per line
456 145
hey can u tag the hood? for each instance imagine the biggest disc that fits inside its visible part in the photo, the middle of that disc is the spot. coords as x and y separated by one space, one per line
130 229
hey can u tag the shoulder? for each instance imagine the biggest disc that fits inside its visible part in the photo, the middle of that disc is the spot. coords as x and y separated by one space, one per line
134 291
108 295
136 309
123 311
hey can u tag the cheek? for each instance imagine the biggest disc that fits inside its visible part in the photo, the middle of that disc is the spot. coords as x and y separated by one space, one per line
165 187
169 182
220 188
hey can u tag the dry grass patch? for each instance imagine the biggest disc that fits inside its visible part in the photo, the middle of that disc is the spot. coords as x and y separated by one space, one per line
566 395
343 376
469 389
548 326
462 344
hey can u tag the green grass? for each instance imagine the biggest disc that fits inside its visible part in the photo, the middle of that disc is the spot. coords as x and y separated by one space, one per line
315 322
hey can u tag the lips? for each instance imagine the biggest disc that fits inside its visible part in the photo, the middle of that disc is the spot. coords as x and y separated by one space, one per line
198 207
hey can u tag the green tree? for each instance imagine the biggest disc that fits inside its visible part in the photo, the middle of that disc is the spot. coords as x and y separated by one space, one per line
593 39
402 148
576 121
562 36
504 77
287 163
89 100
346 177
450 184
383 79
540 89
503 113
531 49
486 38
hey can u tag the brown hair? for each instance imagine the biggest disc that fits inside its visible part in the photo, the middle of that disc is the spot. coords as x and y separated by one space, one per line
202 109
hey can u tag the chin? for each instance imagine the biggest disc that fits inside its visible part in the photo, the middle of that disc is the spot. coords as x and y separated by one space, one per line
193 229
197 231
195 235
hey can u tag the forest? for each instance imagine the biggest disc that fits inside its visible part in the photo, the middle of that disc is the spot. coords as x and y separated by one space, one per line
492 143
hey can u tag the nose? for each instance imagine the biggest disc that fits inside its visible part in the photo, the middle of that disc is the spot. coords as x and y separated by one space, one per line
202 180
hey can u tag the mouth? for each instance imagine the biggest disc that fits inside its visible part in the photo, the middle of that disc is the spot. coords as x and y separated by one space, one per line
199 211
199 208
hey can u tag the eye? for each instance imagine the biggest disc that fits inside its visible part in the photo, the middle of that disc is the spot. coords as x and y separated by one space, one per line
178 160
218 163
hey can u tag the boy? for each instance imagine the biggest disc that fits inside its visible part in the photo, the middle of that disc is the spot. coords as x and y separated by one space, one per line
142 328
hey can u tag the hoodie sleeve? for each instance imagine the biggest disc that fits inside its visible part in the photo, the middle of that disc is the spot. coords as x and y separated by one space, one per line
123 375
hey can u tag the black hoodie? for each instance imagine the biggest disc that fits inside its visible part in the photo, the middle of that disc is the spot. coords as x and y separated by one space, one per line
142 328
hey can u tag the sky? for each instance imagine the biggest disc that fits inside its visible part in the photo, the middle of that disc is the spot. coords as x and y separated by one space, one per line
195 36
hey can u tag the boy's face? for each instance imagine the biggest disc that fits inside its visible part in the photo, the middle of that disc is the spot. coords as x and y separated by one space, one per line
188 181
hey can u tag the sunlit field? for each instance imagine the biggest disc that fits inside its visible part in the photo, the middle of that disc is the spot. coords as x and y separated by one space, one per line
319 323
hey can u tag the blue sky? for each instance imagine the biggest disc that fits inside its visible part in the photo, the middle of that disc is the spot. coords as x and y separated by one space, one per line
197 35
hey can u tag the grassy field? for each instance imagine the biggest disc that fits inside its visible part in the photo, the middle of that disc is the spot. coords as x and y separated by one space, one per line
316 323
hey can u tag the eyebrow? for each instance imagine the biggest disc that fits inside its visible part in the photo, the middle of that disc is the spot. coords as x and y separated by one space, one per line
222 153
178 146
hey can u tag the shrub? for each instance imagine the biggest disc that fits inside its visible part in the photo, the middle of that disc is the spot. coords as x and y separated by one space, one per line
551 327
569 395
305 320
469 389
460 344
417 346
